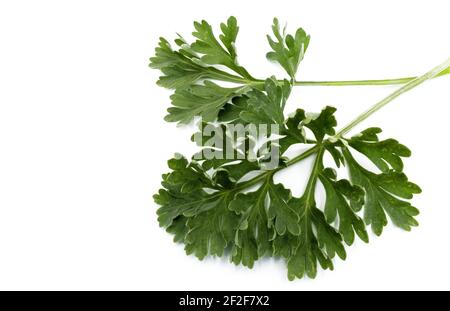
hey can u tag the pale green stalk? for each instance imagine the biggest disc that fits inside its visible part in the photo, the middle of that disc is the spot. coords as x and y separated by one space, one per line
407 87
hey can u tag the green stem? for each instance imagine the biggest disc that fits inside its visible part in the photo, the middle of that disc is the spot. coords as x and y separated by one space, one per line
255 180
407 87
311 185
302 156
310 189
355 82
224 76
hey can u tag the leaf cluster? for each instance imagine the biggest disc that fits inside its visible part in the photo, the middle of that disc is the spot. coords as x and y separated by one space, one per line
227 207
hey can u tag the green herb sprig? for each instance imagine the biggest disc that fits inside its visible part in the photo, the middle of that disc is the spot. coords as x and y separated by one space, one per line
223 207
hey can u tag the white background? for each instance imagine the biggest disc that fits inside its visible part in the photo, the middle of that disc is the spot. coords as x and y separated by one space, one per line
83 142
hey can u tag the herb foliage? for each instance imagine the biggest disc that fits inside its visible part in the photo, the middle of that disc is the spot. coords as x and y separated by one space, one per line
215 210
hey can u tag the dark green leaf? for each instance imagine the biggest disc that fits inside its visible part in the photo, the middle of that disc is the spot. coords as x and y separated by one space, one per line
318 241
211 231
343 199
267 107
383 153
321 124
178 70
382 191
211 49
200 101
